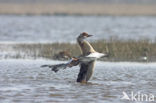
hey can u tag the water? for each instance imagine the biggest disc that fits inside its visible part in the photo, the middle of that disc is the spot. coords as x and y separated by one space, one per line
67 28
23 81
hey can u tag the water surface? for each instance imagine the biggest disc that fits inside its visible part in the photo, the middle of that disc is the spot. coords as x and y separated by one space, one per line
23 81
66 28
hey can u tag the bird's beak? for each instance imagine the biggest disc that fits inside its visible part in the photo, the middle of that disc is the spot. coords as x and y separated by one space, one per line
89 35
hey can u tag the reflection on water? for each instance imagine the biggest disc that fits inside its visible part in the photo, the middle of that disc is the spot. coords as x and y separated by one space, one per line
23 81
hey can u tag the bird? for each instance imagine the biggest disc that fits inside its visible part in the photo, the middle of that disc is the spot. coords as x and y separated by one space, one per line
86 60
88 53
144 57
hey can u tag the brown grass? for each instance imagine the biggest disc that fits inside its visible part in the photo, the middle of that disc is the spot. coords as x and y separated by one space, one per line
78 8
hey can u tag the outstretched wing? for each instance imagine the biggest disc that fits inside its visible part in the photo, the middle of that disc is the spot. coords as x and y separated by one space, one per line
87 64
91 57
96 55
57 67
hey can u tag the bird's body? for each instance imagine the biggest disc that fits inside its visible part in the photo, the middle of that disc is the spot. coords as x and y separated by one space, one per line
86 68
86 71
86 60
85 47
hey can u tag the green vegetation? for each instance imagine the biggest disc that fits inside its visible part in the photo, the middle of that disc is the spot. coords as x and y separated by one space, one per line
118 50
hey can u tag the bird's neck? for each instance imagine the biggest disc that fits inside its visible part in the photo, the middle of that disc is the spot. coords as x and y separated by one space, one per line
85 47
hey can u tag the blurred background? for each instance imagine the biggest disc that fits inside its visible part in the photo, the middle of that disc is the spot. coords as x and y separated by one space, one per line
79 7
38 32
115 24
49 20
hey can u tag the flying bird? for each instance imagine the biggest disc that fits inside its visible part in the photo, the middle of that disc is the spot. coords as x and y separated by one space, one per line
86 60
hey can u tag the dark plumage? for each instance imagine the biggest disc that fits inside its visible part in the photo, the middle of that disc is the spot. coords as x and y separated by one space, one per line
82 73
57 67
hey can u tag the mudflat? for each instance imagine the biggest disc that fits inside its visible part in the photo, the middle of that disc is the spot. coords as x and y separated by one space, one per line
78 8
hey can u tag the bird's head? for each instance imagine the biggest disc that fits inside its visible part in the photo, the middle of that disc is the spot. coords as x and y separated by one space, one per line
83 36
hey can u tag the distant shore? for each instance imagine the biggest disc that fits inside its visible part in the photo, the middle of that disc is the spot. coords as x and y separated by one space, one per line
118 50
77 9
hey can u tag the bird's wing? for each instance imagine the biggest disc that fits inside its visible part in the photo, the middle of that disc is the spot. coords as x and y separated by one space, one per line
96 55
85 58
57 67
86 71
91 57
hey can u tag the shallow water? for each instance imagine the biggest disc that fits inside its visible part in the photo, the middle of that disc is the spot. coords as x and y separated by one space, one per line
67 28
23 81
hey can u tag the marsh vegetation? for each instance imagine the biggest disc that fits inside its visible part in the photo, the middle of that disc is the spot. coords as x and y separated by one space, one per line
118 50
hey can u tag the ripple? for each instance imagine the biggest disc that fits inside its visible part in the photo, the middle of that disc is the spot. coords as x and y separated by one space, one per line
22 81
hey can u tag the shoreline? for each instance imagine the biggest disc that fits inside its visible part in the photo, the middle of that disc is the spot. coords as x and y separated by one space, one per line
118 50
59 61
78 9
75 14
